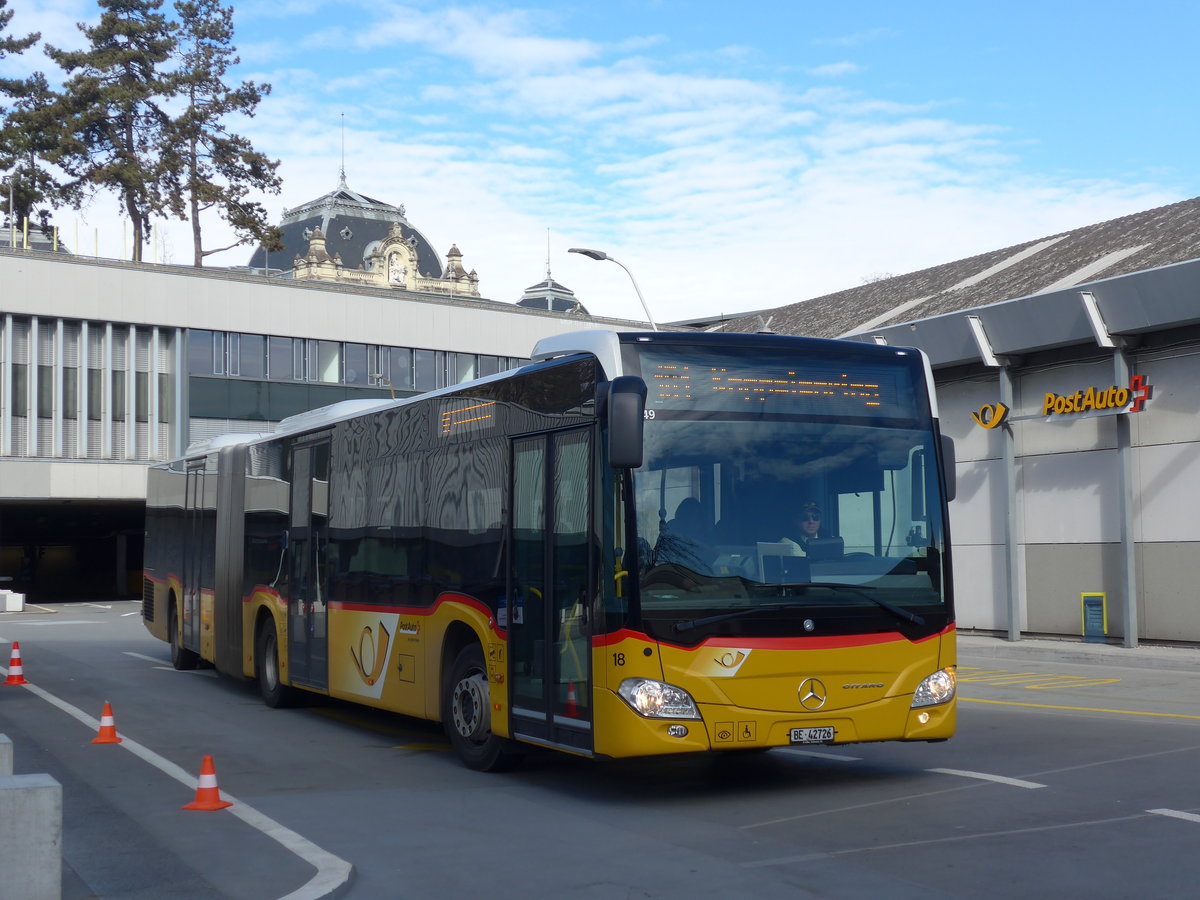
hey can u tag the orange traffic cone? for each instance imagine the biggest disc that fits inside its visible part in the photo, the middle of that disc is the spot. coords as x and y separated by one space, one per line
208 796
16 675
572 701
108 728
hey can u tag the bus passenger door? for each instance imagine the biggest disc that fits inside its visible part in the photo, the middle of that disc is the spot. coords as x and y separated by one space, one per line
548 590
308 532
194 548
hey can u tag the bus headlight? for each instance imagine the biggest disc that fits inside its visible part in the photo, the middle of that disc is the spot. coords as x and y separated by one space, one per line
937 688
658 700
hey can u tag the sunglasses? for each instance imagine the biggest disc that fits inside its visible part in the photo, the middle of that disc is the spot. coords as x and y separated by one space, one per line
811 517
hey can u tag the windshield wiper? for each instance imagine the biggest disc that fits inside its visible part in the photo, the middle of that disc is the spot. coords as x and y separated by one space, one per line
689 624
897 611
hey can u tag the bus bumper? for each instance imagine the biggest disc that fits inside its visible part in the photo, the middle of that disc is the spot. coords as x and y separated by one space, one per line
624 733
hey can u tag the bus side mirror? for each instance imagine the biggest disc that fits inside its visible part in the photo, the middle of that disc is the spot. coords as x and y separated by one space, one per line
948 464
626 416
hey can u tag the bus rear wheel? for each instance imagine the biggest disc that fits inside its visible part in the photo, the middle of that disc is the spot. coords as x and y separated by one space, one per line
275 693
182 658
467 714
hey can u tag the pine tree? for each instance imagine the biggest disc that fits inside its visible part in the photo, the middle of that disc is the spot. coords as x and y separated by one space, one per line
10 44
12 147
218 169
112 109
32 134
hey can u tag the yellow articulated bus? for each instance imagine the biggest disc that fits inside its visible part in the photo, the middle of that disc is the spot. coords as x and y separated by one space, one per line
637 544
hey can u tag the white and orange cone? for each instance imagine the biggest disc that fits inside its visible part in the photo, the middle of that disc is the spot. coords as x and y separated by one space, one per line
208 795
572 701
108 728
16 674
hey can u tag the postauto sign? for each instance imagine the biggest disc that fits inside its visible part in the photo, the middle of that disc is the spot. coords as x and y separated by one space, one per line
1107 400
1094 399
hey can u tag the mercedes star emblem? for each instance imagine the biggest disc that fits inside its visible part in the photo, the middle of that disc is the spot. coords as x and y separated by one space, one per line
812 694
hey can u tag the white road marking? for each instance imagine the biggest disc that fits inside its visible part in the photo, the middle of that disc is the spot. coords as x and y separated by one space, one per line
984 776
818 755
136 612
951 839
153 659
332 871
203 673
1175 814
96 606
57 622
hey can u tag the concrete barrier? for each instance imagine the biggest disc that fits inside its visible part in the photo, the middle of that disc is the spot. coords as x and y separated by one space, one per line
31 837
11 601
30 833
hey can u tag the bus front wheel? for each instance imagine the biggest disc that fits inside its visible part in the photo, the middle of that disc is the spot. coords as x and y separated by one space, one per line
467 715
274 692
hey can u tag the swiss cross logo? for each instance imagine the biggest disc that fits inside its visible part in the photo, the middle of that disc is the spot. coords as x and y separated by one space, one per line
1141 390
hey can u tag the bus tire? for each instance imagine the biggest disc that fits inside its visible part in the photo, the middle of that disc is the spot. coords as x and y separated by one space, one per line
275 693
466 713
182 658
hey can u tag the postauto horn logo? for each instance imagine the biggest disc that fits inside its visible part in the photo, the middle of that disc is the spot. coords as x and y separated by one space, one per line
990 415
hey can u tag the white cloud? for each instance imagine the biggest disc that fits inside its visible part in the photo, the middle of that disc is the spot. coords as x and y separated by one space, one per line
495 43
855 39
835 70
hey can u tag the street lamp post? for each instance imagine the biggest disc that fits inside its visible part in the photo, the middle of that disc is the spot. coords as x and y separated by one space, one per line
601 255
12 219
381 377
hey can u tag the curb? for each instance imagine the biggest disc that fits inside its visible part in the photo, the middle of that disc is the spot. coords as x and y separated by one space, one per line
1075 651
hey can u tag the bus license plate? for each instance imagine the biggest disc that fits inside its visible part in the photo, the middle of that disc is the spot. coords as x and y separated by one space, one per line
820 734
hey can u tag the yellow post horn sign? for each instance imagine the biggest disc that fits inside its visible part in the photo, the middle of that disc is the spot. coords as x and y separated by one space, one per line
371 655
990 415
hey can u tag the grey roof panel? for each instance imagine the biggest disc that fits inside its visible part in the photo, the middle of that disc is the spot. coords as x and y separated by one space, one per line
1148 240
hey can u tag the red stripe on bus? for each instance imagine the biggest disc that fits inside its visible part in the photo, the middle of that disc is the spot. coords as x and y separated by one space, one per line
834 642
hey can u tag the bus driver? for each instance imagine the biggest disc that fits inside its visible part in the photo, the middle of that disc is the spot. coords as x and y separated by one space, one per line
809 521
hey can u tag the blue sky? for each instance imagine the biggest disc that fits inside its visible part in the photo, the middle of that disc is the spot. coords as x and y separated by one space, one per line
733 156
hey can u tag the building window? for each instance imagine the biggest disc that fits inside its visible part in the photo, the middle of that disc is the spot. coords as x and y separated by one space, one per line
118 396
204 353
71 393
466 366
281 359
356 364
95 392
402 368
325 362
166 399
45 392
252 355
439 367
232 354
424 370
20 389
141 396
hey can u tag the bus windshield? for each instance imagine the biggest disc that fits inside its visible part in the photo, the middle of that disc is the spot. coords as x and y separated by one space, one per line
792 517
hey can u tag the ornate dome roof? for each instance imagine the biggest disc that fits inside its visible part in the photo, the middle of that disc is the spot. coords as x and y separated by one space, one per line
352 223
550 294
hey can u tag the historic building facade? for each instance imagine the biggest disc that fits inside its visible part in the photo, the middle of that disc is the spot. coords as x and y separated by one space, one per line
349 238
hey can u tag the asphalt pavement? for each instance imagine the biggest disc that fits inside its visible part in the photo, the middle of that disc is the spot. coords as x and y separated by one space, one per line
1074 675
974 647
